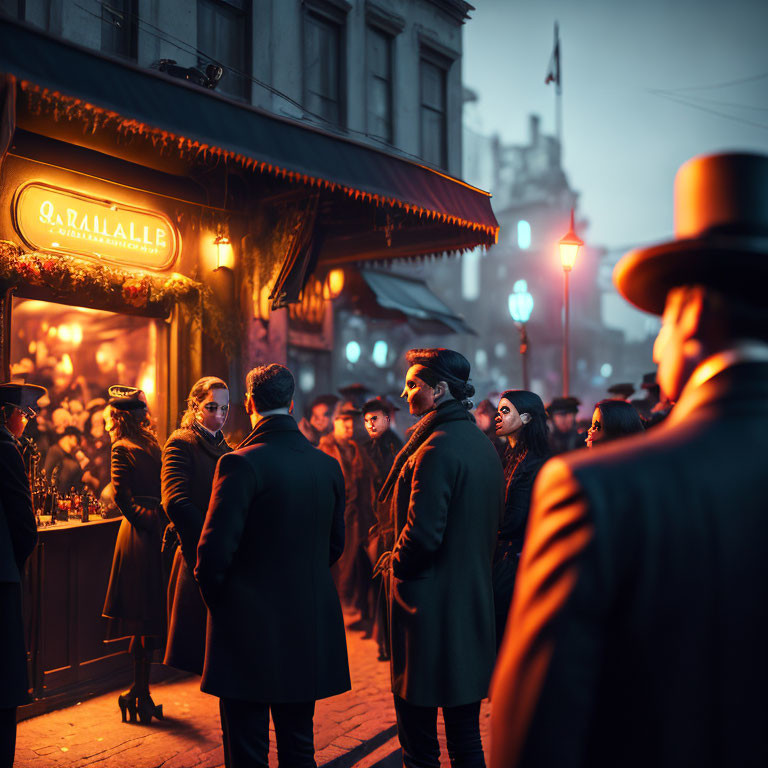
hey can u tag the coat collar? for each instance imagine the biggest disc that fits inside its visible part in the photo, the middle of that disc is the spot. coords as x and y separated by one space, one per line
268 426
737 374
215 445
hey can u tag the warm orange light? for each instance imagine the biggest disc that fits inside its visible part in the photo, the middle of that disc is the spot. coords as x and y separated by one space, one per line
225 255
67 365
49 218
261 302
335 283
569 247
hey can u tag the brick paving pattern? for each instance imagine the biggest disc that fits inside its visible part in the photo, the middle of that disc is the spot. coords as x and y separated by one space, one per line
356 728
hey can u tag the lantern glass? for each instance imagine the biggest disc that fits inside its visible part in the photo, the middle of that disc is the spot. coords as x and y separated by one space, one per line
569 250
225 256
335 282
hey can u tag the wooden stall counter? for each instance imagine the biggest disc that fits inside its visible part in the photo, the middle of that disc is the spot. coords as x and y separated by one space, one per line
65 585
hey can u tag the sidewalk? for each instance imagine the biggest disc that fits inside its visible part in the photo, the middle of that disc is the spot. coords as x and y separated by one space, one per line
356 728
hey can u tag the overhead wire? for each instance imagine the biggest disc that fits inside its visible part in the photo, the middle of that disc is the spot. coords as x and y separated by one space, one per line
186 47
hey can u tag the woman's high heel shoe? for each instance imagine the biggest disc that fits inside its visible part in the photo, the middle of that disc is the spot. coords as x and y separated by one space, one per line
148 709
127 703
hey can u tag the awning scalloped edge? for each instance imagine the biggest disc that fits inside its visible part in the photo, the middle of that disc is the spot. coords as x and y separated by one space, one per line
78 109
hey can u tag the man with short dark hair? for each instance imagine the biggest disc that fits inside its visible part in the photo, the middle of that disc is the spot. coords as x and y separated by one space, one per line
637 631
65 461
564 435
275 525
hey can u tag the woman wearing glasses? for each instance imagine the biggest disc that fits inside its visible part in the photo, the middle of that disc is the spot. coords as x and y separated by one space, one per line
189 463
613 419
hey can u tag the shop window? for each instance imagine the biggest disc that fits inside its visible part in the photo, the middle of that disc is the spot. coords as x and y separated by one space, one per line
223 37
323 67
77 354
434 127
119 28
379 91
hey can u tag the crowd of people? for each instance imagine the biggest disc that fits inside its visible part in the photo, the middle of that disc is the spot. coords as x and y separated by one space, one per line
613 598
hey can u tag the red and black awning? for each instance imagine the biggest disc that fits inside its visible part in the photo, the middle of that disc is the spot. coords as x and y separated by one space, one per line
193 120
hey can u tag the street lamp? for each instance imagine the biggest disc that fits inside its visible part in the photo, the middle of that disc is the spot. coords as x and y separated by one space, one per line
569 250
520 308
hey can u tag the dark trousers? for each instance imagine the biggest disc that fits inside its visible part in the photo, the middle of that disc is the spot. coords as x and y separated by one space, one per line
245 727
417 731
7 736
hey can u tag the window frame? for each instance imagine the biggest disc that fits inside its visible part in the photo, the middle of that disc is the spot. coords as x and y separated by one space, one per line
245 8
133 41
331 13
386 33
428 55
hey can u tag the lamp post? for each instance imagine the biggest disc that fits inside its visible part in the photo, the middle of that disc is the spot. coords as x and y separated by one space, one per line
569 249
520 308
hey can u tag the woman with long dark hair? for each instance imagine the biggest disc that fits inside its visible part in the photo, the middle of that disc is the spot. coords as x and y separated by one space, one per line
134 603
522 420
189 463
613 419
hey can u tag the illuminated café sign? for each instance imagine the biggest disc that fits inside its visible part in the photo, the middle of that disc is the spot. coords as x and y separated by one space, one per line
53 219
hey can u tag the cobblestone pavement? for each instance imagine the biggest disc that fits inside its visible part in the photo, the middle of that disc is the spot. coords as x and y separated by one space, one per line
356 728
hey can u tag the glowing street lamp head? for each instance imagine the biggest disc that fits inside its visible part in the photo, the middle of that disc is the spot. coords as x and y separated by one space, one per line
520 302
569 247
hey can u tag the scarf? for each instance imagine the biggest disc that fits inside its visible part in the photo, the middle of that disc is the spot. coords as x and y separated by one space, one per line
453 410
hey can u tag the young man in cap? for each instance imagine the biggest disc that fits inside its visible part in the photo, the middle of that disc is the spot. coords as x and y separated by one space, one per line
381 450
637 630
18 536
353 571
275 525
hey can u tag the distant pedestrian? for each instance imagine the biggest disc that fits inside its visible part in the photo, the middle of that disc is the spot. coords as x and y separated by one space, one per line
485 418
621 392
135 604
189 462
638 626
564 435
319 419
613 419
18 537
352 573
447 490
381 450
522 422
275 525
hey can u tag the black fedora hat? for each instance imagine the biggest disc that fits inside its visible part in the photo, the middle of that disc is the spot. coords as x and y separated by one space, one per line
721 235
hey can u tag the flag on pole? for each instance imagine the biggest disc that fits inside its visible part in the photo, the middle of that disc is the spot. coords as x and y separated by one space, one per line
553 71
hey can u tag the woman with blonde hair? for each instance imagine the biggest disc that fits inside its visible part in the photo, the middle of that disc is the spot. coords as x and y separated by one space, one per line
134 603
189 463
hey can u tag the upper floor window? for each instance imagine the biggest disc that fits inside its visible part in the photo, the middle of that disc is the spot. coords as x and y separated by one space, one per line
119 28
223 35
434 123
323 68
379 91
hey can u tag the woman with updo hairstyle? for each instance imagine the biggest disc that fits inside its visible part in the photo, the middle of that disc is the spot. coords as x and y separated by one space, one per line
134 604
521 420
189 463
613 419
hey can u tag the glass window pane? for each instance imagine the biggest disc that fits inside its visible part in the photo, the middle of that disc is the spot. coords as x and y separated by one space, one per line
432 85
118 28
221 31
433 137
322 68
379 96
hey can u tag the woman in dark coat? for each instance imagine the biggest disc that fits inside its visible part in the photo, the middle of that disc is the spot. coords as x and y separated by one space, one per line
522 421
134 603
189 463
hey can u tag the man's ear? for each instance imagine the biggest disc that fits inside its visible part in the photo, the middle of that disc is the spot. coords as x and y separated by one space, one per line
290 407
249 406
692 312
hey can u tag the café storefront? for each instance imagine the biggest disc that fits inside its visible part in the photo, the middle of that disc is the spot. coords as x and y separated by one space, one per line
152 232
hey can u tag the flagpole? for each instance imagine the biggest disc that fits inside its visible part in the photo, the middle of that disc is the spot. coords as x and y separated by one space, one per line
559 93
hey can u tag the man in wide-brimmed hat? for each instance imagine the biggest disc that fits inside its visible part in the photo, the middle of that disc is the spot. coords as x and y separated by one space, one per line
637 631
563 432
18 536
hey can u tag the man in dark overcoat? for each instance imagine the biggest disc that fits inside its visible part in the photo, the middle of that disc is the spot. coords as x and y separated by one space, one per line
274 527
18 536
447 490
637 634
